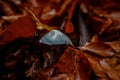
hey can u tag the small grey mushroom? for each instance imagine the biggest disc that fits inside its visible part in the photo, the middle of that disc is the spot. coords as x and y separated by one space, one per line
55 37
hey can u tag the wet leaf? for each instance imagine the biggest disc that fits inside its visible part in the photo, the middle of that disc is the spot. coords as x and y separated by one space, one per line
55 37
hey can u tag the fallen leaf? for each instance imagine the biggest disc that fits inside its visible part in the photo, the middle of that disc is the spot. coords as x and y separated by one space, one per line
115 45
23 27
74 64
61 77
7 8
11 18
69 28
99 48
110 72
45 74
98 70
104 68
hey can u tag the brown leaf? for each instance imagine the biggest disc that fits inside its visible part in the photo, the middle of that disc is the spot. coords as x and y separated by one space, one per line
64 7
1 31
94 38
61 77
110 72
98 70
74 64
99 48
69 28
23 27
99 25
112 36
115 22
104 68
11 18
45 74
115 45
7 8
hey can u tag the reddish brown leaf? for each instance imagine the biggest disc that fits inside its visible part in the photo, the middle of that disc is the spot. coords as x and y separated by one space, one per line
100 48
98 70
94 38
64 7
74 65
1 31
115 45
69 28
23 27
46 73
115 16
104 68
7 8
11 18
109 71
61 77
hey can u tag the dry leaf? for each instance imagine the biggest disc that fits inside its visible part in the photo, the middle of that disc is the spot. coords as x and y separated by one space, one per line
74 64
99 48
110 72
98 70
115 45
23 27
